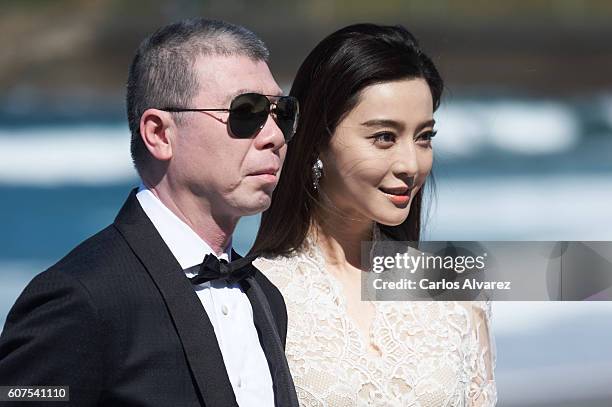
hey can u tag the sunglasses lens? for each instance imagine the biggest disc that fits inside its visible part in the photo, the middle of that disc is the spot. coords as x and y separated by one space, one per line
287 113
248 113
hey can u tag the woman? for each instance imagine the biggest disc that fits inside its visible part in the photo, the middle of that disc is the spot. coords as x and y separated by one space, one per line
355 171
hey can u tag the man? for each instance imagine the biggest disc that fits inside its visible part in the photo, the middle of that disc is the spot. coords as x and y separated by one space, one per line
134 316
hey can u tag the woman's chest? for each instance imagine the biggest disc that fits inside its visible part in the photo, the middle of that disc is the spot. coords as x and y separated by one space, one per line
412 352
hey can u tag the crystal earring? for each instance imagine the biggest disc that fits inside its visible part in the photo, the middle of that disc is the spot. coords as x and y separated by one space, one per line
317 173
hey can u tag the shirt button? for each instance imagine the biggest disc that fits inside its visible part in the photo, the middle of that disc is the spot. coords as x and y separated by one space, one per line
239 382
224 309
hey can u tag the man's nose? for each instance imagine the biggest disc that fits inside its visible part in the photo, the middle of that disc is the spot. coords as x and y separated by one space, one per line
270 136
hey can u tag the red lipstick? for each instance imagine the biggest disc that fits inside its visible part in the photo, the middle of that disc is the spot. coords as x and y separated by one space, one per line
398 195
399 199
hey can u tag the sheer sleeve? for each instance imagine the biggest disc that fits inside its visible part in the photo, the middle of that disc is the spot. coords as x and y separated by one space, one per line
482 391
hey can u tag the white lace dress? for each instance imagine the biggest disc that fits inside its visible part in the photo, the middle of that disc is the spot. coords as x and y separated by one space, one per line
431 354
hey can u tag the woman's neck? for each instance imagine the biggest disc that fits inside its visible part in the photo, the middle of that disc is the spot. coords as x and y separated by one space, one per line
340 241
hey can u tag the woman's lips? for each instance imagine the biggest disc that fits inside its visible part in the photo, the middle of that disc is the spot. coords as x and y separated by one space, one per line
399 196
399 199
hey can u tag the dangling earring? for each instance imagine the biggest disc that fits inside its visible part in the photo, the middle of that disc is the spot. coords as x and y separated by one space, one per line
317 173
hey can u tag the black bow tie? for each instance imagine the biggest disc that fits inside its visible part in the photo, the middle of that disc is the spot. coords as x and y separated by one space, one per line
214 269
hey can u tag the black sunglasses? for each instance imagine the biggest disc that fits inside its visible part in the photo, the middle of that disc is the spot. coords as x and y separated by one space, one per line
249 112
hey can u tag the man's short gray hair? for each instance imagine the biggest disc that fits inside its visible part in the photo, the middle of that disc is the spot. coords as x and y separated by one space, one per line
162 74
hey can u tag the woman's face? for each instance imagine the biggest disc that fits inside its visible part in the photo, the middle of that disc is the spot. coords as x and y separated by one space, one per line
380 154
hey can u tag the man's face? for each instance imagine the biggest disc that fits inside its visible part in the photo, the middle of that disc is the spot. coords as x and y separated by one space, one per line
236 177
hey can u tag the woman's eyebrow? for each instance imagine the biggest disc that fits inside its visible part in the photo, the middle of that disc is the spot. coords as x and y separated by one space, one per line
397 125
428 123
383 123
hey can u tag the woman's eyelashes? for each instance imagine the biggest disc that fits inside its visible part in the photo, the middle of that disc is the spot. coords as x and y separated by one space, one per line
425 137
384 138
388 138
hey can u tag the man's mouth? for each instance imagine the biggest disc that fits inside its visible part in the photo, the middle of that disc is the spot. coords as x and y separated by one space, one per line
267 175
269 171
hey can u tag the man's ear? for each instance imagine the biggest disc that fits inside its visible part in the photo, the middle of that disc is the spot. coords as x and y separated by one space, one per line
157 129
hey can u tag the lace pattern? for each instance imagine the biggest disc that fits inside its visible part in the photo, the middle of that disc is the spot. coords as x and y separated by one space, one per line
430 353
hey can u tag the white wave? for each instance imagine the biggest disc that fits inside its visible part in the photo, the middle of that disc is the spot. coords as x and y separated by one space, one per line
84 154
461 130
544 207
538 128
529 128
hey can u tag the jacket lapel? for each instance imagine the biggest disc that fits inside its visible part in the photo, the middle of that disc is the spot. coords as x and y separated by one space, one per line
284 390
193 326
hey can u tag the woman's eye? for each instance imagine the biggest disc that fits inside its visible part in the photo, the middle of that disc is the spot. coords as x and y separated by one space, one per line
426 137
384 138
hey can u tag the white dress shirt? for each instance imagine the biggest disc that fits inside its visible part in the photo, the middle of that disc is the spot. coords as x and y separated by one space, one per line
227 306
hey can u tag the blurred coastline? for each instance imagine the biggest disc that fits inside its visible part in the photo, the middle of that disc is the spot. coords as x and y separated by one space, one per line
67 54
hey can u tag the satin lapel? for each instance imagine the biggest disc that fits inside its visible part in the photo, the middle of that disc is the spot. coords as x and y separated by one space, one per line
284 390
194 328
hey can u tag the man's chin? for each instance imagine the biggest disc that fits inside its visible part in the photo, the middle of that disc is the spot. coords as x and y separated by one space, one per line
257 203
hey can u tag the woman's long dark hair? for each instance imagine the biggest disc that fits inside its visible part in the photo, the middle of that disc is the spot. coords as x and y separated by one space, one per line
328 86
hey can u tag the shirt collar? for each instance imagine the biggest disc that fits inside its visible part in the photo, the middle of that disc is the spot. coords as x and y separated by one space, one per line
186 246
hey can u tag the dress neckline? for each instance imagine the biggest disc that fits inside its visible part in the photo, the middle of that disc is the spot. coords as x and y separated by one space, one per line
366 340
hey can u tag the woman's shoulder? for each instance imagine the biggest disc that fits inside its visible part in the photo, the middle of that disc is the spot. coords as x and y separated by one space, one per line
283 268
271 264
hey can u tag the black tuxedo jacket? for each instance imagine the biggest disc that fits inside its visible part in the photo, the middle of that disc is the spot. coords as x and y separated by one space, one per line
118 322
